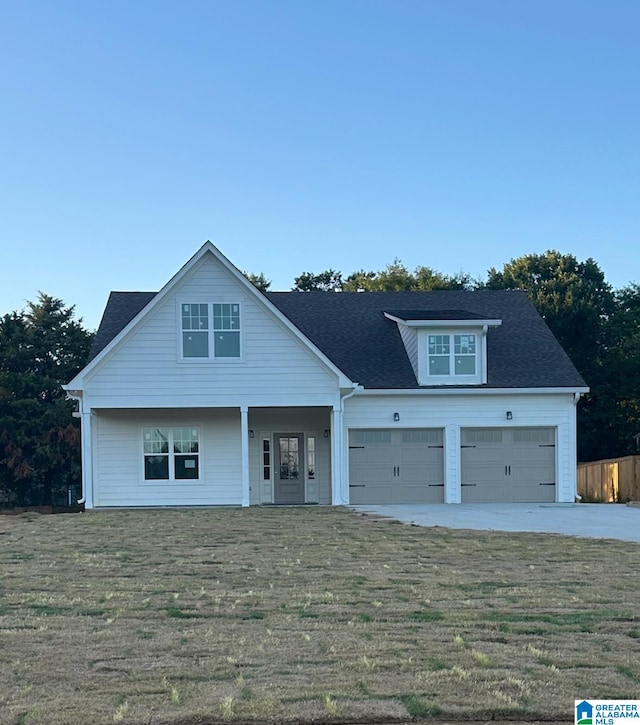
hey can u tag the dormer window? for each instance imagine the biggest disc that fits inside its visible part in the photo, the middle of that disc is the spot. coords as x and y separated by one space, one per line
210 331
445 347
452 355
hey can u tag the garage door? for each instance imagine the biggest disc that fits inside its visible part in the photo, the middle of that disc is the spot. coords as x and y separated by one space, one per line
396 466
508 464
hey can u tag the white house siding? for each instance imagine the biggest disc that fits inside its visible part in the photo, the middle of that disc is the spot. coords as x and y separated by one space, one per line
308 421
276 368
409 337
118 459
453 412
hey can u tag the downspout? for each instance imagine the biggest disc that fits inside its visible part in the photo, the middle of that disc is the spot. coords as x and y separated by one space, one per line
356 388
78 414
343 460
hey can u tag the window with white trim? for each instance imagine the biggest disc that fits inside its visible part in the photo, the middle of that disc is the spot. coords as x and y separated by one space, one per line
171 454
452 354
226 330
210 331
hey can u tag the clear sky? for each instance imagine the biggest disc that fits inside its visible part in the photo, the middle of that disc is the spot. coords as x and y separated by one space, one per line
299 136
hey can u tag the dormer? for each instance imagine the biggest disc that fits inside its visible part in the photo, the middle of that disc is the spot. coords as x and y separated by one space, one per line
445 347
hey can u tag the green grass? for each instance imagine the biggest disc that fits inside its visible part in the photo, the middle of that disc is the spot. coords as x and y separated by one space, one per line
305 614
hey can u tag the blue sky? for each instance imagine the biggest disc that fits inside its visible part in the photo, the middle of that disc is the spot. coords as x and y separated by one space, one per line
299 136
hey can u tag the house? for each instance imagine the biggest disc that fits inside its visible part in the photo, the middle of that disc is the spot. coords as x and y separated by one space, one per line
210 392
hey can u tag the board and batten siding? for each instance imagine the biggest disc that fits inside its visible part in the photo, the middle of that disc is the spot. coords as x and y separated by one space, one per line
119 466
453 412
276 368
308 421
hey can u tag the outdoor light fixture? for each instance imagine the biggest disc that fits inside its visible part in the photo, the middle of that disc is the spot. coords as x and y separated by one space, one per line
509 415
252 434
396 417
326 432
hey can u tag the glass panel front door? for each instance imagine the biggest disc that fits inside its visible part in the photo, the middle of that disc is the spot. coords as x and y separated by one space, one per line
289 474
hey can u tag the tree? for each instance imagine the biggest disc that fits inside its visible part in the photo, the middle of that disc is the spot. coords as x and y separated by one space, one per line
327 281
578 305
41 348
258 280
615 409
397 278
573 298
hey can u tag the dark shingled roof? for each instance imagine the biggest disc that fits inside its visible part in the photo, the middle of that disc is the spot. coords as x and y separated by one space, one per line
350 328
121 308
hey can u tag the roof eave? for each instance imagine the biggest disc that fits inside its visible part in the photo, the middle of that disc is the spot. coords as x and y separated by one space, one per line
471 322
459 390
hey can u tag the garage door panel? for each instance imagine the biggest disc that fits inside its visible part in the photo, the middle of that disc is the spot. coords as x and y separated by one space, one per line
431 472
481 493
508 465
529 494
396 466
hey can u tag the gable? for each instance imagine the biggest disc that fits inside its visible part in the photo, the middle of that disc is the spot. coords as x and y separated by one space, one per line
146 365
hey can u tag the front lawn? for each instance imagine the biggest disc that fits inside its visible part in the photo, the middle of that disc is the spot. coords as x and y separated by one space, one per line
180 616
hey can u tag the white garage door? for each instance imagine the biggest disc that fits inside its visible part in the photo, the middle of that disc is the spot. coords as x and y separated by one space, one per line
508 465
396 466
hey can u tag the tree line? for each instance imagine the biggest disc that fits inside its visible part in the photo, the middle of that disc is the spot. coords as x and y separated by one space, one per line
44 346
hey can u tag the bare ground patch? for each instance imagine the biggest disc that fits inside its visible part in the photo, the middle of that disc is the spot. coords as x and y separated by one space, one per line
306 614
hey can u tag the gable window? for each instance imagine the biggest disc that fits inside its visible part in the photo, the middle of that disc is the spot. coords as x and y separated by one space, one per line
452 355
195 330
210 331
171 454
226 329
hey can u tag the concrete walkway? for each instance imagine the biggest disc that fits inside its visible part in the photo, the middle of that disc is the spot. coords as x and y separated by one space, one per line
600 521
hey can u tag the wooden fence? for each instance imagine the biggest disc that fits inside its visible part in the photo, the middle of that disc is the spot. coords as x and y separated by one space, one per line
615 480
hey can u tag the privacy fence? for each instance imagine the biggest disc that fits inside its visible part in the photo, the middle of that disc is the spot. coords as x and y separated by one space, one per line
615 480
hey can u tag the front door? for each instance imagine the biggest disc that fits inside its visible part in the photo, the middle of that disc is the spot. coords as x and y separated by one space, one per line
289 469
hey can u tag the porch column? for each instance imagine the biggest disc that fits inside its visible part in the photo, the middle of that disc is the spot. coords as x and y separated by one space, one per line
86 434
339 491
244 435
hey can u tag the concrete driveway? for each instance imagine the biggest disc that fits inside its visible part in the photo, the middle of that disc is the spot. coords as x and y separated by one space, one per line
600 521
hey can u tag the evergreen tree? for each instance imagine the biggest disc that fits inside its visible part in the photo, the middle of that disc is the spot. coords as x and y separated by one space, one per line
41 348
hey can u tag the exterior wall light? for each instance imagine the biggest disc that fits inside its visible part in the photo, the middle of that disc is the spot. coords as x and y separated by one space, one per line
252 433
326 432
509 415
396 417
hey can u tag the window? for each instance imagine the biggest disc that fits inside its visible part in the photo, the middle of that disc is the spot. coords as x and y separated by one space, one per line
464 349
266 459
210 331
289 458
226 328
171 454
439 353
195 330
451 355
311 458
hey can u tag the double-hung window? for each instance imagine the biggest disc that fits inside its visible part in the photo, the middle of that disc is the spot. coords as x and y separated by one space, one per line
452 355
226 330
171 454
195 330
210 331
